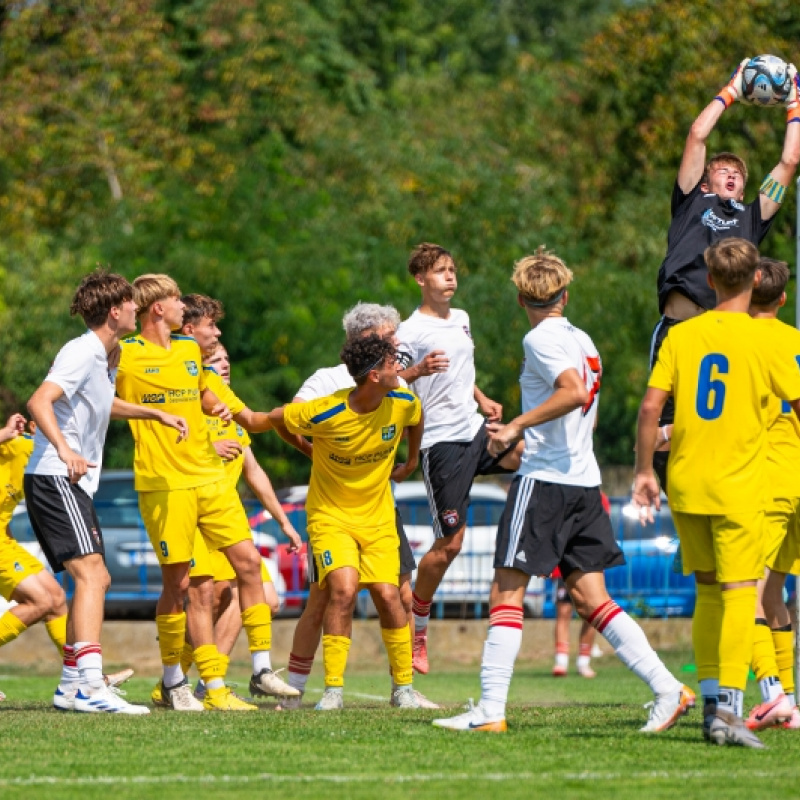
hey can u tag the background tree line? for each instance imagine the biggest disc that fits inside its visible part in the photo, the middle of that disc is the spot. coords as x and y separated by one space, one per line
285 157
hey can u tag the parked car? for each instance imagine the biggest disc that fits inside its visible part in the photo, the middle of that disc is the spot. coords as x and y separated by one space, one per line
651 583
131 561
465 588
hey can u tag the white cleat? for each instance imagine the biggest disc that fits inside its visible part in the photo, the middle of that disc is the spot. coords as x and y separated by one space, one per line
180 697
667 709
269 684
423 702
106 700
473 720
404 697
332 699
64 697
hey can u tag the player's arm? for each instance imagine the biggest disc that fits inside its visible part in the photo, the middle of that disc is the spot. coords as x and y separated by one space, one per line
295 439
212 407
569 393
776 183
489 408
261 485
693 162
13 428
646 491
253 421
120 409
414 435
41 410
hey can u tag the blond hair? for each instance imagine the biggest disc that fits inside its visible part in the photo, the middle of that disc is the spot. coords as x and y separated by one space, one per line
732 263
148 289
724 160
541 278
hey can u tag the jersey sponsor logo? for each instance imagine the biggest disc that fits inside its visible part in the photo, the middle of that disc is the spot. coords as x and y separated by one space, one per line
450 518
182 395
371 458
340 459
151 370
191 368
735 204
388 433
339 438
711 220
154 397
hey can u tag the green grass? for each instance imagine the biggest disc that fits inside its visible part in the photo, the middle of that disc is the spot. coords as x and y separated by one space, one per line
568 738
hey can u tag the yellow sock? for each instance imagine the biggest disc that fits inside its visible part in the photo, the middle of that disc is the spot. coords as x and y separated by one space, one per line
187 657
783 641
706 630
334 656
257 624
736 636
57 631
398 648
763 662
206 657
11 626
171 637
224 663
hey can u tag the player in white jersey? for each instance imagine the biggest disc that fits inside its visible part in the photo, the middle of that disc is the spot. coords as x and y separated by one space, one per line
437 354
361 320
72 409
554 514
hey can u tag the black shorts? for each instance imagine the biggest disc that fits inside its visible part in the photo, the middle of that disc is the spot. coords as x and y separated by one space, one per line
662 328
407 562
63 518
548 525
448 469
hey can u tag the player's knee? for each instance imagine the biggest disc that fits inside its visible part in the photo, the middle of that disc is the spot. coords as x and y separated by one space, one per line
451 547
343 599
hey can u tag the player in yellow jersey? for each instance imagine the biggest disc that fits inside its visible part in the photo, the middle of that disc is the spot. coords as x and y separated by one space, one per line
722 369
773 645
351 516
179 485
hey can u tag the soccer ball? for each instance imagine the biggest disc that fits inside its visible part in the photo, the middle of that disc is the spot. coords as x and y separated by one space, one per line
766 81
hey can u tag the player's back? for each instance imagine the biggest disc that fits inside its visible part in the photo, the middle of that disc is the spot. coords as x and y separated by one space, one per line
722 369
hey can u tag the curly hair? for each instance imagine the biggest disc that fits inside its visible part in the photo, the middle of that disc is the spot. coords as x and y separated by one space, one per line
424 256
98 293
364 354
363 317
197 306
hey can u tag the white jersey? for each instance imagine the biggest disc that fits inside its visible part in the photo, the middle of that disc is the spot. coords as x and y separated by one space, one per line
328 380
448 398
82 412
560 451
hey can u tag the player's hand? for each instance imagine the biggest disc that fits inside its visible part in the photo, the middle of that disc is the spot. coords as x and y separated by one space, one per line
734 90
77 465
13 428
179 423
501 437
490 409
435 361
295 542
646 493
223 412
228 449
402 471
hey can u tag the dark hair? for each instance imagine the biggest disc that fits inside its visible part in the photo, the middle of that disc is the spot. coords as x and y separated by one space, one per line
99 292
424 256
774 277
197 306
363 355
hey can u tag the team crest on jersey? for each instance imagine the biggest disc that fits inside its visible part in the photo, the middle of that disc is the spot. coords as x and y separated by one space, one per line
96 535
466 330
450 518
240 431
18 567
191 367
387 433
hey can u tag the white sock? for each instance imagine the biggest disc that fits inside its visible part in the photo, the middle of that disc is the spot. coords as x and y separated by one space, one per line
582 662
69 667
299 670
632 648
499 654
89 658
562 660
791 697
215 683
771 689
173 675
261 660
422 613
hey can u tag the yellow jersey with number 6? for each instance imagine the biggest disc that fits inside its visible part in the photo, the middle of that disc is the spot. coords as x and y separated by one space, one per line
723 369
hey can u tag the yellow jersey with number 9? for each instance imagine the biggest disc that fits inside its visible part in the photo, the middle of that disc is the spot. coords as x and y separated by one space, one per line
722 369
172 380
353 456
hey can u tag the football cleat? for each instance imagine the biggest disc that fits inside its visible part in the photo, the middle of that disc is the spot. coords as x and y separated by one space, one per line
332 699
473 720
107 700
419 652
225 700
290 703
586 672
769 714
404 697
559 671
118 678
64 698
179 697
200 690
667 709
269 684
793 723
726 728
423 702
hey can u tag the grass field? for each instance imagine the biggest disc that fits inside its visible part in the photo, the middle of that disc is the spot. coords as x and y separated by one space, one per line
568 738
